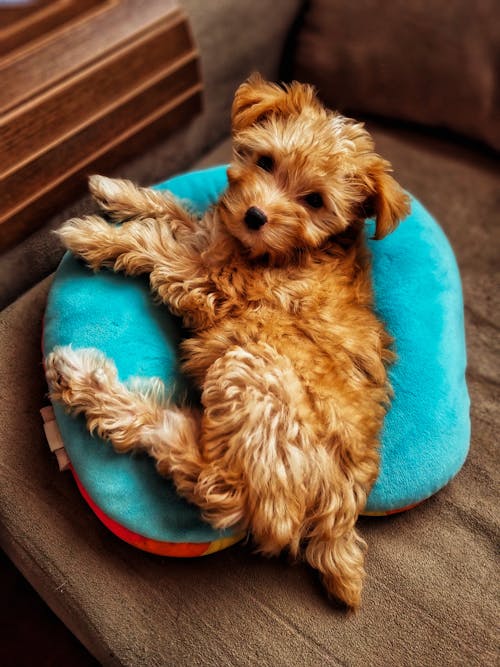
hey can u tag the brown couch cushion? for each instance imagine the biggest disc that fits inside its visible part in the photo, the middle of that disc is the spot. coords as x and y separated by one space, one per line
434 63
430 595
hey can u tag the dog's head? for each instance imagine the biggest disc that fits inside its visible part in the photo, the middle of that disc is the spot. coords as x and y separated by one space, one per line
301 174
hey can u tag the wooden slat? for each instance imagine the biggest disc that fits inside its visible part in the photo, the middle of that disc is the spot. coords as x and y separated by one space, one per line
47 117
75 46
13 14
94 135
93 90
39 19
151 130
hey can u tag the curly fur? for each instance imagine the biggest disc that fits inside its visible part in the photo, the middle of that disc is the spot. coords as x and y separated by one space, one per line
287 352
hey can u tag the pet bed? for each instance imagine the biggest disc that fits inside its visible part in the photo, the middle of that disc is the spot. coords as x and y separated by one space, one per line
425 438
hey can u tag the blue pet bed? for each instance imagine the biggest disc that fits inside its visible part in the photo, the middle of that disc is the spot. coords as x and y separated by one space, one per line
426 432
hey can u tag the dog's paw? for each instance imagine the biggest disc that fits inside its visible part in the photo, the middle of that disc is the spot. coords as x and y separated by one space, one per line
91 238
119 198
107 191
75 375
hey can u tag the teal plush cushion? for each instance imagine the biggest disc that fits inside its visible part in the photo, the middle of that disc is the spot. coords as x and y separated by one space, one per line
426 433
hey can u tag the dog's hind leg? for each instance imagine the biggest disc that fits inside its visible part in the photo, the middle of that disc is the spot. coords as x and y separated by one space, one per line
255 439
136 417
85 381
130 417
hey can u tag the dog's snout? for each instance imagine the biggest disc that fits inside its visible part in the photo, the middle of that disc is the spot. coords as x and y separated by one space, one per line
255 218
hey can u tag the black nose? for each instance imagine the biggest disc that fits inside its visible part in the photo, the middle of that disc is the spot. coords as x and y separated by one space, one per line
255 218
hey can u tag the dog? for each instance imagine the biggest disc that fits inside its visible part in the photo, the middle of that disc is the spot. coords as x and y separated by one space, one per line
273 283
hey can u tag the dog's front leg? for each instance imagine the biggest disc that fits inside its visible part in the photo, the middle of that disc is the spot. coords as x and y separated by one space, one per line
147 246
135 247
123 200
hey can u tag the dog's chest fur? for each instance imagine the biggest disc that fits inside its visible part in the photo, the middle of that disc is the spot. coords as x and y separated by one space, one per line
316 312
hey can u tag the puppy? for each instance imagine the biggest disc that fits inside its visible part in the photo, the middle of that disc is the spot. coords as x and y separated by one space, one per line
274 285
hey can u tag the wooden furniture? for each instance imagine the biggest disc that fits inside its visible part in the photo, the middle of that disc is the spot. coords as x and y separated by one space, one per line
85 84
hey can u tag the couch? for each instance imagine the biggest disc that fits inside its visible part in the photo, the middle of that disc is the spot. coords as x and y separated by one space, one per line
424 79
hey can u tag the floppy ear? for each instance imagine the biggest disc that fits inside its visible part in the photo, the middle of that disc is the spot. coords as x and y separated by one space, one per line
256 99
387 200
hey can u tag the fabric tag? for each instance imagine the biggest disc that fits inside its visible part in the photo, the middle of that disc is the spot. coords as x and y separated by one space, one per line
54 438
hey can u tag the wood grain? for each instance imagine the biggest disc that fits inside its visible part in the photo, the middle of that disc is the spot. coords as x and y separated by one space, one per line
35 21
86 94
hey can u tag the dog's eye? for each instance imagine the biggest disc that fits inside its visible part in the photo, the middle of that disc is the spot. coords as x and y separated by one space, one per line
266 162
314 200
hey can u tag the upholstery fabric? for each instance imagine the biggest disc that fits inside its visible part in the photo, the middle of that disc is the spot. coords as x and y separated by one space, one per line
430 596
432 65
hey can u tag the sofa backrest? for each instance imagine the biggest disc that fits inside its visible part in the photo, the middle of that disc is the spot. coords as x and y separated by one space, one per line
435 63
